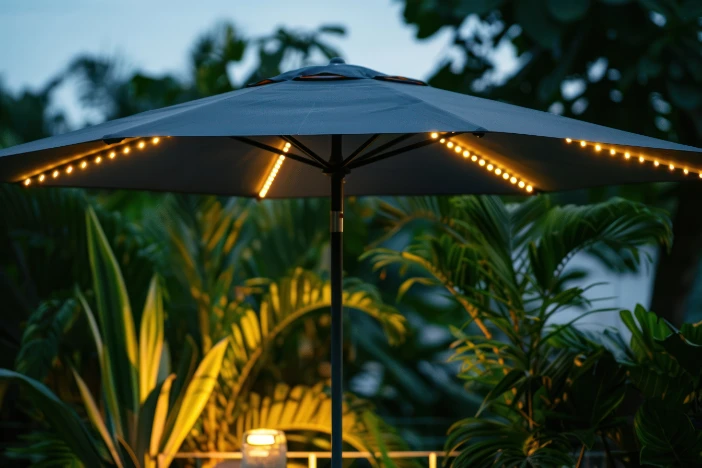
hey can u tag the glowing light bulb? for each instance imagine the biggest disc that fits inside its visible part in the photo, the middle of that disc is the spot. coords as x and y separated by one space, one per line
482 162
112 155
55 174
521 184
598 148
141 145
505 176
443 140
685 171
466 154
583 143
656 163
27 181
498 171
641 159
700 175
513 180
627 155
671 167
568 140
155 140
434 135
126 150
474 158
41 178
612 152
84 164
69 169
490 167
98 160
449 144
286 149
529 188
458 149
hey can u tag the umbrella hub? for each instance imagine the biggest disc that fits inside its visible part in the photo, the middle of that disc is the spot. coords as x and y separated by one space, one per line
336 70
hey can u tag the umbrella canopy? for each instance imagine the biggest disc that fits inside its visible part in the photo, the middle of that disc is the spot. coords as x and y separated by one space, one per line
310 104
383 135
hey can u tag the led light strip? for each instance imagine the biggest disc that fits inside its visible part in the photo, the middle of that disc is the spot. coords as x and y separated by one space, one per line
490 166
641 158
84 162
273 173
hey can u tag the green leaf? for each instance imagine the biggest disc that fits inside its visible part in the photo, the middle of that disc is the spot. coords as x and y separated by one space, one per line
196 395
93 412
667 436
60 417
509 381
116 326
150 340
687 353
568 11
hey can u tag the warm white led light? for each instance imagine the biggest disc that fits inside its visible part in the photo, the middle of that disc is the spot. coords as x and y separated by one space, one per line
498 171
627 155
671 167
449 144
27 181
568 140
474 158
529 188
98 160
155 140
69 169
443 140
685 171
598 148
583 143
141 145
482 162
126 150
641 159
434 135
84 164
271 177
656 163
513 180
112 155
458 149
521 184
490 167
505 176
612 152
55 174
41 178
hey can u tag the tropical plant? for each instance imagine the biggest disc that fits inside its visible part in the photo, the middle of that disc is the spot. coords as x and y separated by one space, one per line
633 65
665 366
506 267
278 326
146 411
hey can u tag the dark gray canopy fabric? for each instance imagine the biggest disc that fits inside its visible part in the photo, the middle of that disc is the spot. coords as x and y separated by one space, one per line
196 153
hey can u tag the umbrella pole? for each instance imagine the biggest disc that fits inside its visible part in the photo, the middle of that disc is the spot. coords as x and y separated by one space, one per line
337 315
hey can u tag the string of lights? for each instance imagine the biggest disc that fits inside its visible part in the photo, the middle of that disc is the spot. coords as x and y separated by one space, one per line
274 171
641 158
92 159
499 170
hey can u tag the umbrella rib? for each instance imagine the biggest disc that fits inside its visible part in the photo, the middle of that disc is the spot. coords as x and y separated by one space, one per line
358 150
277 151
382 147
404 149
297 144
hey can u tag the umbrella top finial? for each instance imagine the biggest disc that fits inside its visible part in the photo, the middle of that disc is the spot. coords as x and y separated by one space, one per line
336 60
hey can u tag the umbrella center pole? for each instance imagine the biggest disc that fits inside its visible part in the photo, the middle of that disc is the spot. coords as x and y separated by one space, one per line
337 315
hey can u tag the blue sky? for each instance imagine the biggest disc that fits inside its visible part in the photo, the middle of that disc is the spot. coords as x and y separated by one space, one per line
39 37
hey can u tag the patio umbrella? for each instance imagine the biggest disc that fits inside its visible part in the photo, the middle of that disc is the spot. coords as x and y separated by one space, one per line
335 129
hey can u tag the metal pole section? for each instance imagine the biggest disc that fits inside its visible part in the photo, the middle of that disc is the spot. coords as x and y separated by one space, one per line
337 316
